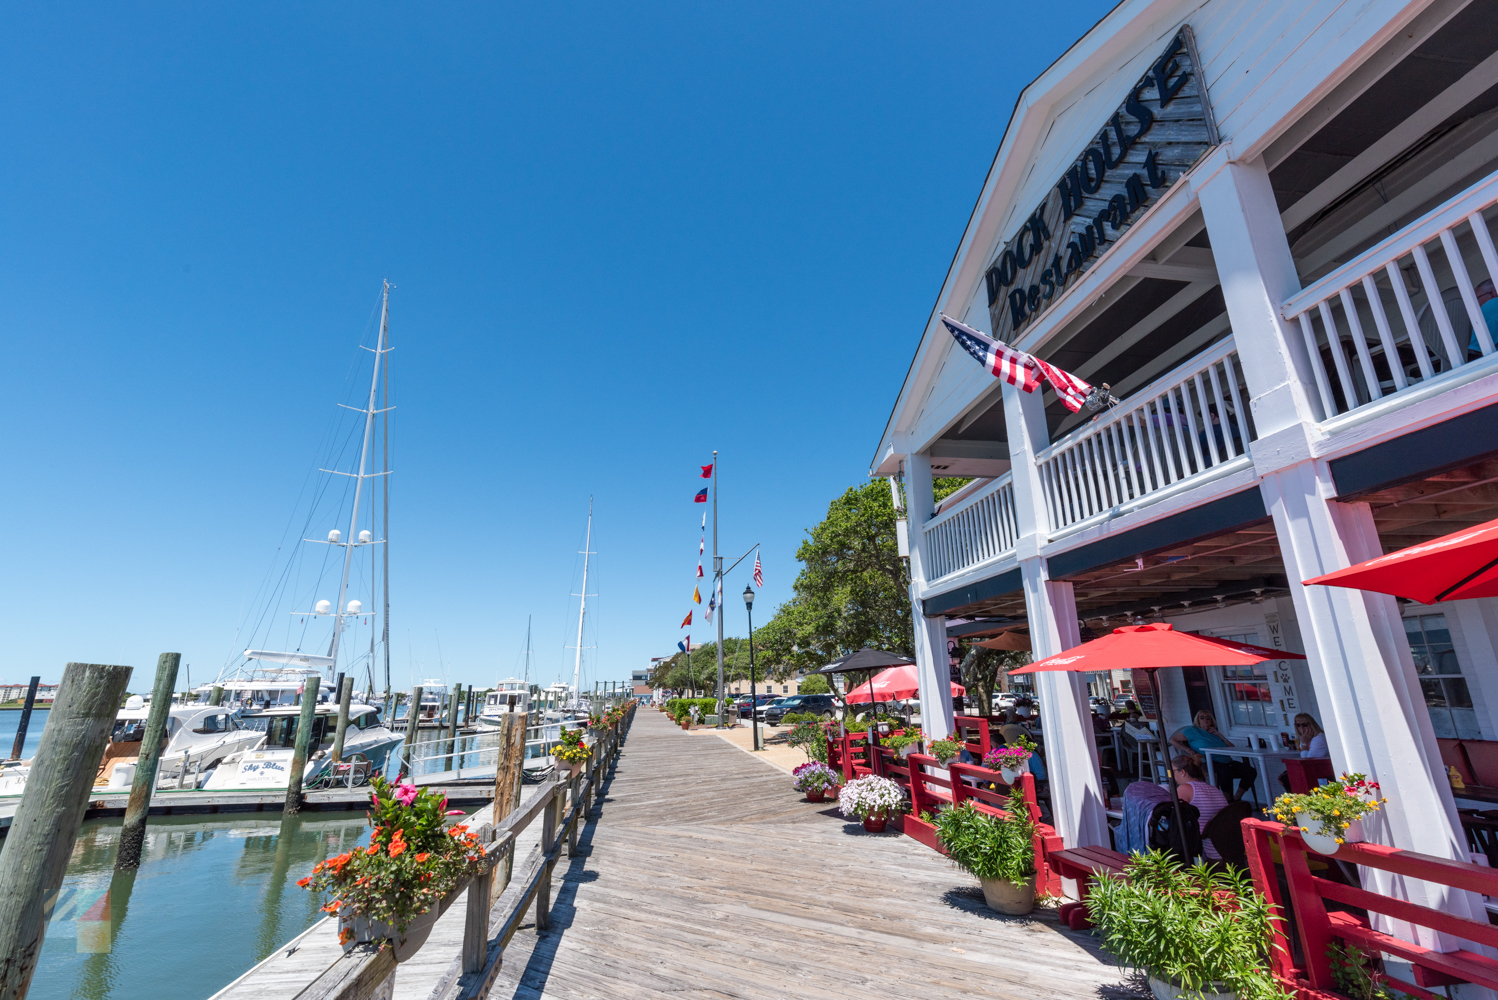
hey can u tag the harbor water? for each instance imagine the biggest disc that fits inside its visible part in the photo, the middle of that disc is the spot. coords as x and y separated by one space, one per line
10 720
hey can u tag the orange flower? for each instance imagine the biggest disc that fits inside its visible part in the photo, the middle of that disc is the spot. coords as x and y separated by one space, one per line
345 936
331 907
375 849
422 856
303 882
397 848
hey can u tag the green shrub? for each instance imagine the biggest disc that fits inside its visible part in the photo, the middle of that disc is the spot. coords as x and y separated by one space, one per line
984 845
814 684
1188 926
792 718
810 739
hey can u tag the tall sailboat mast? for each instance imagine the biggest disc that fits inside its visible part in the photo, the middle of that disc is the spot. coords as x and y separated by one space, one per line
353 541
577 664
385 489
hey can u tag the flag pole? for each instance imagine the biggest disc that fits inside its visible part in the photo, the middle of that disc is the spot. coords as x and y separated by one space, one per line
717 588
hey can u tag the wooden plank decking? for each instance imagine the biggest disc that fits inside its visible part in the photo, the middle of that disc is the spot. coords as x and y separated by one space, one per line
705 875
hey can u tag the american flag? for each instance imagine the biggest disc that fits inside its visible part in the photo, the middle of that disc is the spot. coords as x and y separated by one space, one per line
1014 367
759 574
1072 391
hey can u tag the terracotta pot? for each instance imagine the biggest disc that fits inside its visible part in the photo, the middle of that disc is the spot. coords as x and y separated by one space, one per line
1003 896
1169 991
832 792
573 768
816 794
875 824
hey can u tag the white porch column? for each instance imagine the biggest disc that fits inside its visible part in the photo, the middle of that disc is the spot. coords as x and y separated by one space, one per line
930 638
1360 663
1077 801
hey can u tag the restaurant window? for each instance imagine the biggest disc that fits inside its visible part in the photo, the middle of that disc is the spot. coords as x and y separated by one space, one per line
1446 695
1245 690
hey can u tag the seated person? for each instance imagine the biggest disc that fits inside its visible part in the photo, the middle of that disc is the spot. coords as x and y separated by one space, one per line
1011 730
1191 786
1196 739
1310 739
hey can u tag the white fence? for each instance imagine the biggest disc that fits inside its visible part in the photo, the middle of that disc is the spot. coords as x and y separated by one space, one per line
1185 424
1403 312
981 528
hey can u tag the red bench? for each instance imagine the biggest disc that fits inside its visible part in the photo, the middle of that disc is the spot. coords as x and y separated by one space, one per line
1084 864
1317 927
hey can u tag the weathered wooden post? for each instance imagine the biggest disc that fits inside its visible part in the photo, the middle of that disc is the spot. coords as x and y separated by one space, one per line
385 716
508 778
453 701
52 807
133 834
345 696
310 687
413 715
25 723
216 696
548 846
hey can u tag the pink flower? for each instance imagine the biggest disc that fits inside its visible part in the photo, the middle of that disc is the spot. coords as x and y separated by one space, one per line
405 794
455 812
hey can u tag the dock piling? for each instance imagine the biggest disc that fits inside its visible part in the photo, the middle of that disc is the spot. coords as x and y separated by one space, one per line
51 809
508 777
133 833
216 696
345 696
413 715
304 724
25 723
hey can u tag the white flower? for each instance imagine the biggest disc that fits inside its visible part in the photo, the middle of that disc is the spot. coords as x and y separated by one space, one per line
871 796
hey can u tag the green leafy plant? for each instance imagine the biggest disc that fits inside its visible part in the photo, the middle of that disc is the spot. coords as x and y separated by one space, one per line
990 846
411 863
1192 927
1357 974
899 741
1333 806
811 739
946 750
792 718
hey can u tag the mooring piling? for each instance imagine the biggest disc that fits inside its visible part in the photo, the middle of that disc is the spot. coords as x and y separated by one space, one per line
52 807
310 688
15 753
133 834
345 695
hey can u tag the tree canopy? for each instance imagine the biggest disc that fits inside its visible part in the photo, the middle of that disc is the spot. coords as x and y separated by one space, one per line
853 589
701 674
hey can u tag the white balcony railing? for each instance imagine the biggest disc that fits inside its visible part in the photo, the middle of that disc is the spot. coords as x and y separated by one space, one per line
980 529
1404 312
1181 427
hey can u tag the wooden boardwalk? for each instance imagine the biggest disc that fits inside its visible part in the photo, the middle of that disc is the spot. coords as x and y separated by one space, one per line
704 875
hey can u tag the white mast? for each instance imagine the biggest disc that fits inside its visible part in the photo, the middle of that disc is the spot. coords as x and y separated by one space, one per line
577 664
353 525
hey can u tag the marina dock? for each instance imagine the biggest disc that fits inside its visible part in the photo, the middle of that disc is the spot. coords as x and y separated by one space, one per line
701 873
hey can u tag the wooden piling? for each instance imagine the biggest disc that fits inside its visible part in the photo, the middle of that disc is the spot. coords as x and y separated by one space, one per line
385 708
133 834
413 715
508 777
52 807
25 723
216 696
310 690
345 696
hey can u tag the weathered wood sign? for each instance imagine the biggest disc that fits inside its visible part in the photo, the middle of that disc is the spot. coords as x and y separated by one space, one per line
1163 127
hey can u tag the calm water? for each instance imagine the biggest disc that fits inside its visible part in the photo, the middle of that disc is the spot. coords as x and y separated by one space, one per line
11 720
212 897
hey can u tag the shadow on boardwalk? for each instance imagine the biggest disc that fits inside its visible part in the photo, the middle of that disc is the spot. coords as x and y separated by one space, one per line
709 877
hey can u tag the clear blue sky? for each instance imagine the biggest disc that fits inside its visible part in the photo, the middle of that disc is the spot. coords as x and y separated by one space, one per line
623 235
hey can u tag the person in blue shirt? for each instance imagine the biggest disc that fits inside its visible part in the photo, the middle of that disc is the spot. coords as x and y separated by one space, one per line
1195 740
1487 301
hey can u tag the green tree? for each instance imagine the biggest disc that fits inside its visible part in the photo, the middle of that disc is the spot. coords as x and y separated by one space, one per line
981 669
814 684
701 674
853 589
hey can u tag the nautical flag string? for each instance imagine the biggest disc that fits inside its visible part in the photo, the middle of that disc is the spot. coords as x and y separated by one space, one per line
712 605
701 496
759 575
1018 368
696 596
699 570
707 471
687 621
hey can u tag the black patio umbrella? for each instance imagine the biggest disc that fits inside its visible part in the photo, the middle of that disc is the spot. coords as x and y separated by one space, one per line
866 660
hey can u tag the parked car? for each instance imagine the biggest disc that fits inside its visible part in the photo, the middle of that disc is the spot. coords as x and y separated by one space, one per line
818 704
765 702
1003 701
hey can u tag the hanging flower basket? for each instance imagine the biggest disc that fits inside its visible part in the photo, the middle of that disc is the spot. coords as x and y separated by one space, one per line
1330 815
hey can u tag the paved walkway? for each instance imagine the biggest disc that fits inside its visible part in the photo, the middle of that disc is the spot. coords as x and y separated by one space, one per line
705 875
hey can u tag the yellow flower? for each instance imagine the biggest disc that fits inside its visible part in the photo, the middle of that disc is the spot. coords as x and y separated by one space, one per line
1339 840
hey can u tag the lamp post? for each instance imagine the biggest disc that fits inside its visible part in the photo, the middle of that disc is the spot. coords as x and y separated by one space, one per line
753 694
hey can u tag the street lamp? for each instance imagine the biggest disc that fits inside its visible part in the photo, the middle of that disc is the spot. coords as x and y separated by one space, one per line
753 694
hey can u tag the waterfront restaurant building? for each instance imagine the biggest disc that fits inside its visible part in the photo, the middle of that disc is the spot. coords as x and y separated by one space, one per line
1269 228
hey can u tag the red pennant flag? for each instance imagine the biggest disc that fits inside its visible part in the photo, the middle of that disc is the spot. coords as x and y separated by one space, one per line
707 472
686 621
699 570
701 496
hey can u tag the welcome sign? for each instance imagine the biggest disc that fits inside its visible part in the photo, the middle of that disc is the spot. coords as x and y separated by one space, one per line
1163 127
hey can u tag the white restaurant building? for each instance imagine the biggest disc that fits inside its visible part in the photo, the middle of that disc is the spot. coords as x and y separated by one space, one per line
1267 226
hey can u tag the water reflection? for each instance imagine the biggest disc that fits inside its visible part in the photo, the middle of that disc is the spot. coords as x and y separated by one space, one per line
212 897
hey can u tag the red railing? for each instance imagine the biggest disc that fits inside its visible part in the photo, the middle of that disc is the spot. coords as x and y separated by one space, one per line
1317 928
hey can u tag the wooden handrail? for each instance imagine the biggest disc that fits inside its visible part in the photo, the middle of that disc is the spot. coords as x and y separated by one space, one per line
363 971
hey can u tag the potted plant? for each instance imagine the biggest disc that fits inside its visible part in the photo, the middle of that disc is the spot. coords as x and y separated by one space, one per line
1011 761
872 799
1332 814
1195 932
1000 851
398 886
947 750
814 779
573 753
904 743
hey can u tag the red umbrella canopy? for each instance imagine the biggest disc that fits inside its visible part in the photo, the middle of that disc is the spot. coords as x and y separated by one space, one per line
1453 567
894 684
1152 646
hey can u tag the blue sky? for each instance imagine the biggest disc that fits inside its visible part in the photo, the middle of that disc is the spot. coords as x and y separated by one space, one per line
622 236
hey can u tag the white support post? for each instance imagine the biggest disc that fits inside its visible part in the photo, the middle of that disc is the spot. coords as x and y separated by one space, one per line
1359 658
930 639
1077 800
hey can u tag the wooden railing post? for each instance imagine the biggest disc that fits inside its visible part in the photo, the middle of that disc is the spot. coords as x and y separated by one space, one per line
577 820
476 920
548 852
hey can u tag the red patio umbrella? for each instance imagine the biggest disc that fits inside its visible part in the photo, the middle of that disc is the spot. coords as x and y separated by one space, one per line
894 684
1150 647
1453 567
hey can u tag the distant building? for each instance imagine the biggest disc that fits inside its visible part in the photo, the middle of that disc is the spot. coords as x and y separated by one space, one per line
45 693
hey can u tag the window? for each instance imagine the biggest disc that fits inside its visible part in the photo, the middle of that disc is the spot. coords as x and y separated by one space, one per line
1446 695
785 689
213 724
1245 690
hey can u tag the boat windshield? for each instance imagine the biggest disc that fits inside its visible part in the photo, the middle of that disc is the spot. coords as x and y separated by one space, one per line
218 723
281 731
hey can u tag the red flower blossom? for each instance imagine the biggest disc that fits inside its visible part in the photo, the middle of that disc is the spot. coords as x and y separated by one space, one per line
375 848
397 848
303 882
422 856
345 936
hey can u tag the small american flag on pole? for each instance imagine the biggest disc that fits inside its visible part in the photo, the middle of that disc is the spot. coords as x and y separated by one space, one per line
1014 367
759 574
1072 390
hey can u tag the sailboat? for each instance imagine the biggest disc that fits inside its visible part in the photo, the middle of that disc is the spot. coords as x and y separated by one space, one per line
368 740
580 705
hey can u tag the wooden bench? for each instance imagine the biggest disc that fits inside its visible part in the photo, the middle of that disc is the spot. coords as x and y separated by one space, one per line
1316 927
1084 864
972 730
